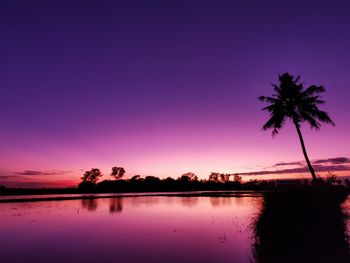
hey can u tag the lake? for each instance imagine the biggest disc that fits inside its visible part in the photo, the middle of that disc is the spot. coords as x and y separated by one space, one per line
130 229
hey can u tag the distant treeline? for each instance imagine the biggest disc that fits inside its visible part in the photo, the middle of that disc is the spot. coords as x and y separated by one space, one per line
186 182
91 183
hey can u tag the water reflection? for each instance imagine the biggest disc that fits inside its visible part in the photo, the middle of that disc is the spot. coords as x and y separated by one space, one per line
153 229
89 204
115 205
173 229
301 228
189 202
221 201
141 201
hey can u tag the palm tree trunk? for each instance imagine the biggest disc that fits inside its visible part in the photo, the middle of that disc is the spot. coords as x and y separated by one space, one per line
314 177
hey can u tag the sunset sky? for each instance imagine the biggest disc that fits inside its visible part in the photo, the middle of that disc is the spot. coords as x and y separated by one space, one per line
165 87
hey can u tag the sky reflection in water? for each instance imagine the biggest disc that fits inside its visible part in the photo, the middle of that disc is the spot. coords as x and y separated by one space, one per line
129 229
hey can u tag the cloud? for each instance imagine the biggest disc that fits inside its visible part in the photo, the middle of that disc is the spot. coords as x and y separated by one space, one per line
330 168
34 172
39 184
338 160
9 176
300 163
320 165
37 179
281 171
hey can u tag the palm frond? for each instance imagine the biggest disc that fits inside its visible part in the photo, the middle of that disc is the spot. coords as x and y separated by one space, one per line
313 89
324 117
276 88
270 108
292 101
314 124
275 122
261 98
268 99
313 100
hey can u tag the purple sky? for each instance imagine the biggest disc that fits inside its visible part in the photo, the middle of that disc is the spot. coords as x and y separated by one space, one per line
162 87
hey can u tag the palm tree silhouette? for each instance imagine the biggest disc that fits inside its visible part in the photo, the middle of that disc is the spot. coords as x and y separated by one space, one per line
292 101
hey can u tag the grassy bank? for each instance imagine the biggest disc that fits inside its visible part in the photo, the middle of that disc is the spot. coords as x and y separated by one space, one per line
303 224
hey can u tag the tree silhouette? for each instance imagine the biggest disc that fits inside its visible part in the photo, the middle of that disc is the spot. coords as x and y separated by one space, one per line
224 177
214 177
91 176
135 178
237 179
291 101
118 172
188 177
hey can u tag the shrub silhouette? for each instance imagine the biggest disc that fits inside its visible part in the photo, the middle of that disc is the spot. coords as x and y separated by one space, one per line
303 224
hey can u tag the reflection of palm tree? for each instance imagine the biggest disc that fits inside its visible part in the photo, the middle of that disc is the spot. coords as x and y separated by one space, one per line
292 101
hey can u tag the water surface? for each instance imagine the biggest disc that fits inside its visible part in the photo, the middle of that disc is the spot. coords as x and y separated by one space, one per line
129 229
174 227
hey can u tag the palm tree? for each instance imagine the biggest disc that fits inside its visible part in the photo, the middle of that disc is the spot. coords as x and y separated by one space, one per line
291 101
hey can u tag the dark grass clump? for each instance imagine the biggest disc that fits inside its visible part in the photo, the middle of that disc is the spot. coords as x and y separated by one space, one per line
303 224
